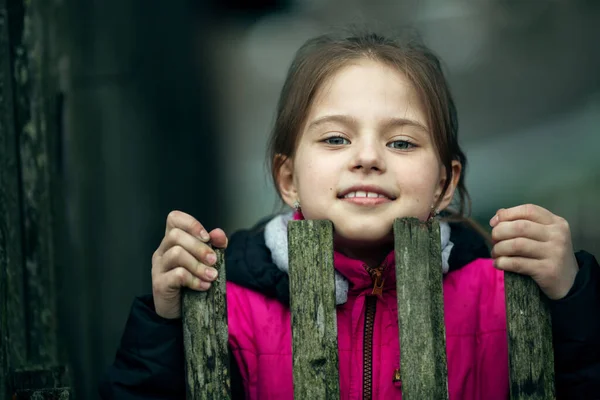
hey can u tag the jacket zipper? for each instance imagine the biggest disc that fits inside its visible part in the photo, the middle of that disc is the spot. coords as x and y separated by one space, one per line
371 306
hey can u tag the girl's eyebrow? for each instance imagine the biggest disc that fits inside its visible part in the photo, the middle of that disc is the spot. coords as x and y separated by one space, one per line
341 119
388 123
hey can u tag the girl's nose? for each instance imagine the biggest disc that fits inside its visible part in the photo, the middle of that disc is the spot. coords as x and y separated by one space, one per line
368 158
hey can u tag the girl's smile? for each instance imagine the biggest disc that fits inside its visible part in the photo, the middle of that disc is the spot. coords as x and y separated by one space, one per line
366 195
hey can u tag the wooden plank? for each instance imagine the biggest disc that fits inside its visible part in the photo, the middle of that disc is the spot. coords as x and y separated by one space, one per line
35 94
312 305
13 332
423 366
39 377
27 134
44 394
205 336
41 383
531 354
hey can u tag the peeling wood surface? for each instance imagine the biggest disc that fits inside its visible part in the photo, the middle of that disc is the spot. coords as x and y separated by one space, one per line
44 394
423 366
13 331
530 350
313 309
28 172
205 336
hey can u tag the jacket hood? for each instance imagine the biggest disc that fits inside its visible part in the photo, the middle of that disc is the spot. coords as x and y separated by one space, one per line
250 263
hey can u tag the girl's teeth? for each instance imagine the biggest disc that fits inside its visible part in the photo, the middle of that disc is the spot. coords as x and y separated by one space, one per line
364 194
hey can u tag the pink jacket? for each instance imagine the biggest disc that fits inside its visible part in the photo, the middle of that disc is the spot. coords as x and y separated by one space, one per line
476 344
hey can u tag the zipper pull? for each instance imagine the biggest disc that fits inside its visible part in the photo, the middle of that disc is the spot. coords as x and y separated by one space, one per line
378 283
377 278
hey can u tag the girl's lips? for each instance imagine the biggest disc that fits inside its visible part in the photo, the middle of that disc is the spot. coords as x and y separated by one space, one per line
366 201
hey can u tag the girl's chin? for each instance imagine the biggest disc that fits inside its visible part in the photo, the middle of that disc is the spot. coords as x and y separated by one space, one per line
364 239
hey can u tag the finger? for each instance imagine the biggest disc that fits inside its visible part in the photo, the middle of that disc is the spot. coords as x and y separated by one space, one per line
218 238
529 212
519 265
519 247
520 228
181 277
200 250
177 256
187 223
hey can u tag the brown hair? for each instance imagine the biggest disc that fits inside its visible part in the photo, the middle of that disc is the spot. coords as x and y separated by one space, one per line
319 58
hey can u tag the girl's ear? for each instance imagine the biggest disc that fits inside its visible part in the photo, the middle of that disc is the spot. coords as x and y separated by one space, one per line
447 199
286 182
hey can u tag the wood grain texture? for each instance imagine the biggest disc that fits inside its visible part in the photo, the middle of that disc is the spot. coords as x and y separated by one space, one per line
36 125
13 331
205 335
531 354
44 394
423 366
41 382
28 168
313 308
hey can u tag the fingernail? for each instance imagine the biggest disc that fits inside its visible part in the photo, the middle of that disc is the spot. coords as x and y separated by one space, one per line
211 273
204 235
493 220
211 258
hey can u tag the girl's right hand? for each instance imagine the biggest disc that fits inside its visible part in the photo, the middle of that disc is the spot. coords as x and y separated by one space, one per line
183 258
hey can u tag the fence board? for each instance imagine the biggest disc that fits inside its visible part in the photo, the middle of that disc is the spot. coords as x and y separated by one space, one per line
44 394
13 329
47 382
423 367
205 337
531 355
312 304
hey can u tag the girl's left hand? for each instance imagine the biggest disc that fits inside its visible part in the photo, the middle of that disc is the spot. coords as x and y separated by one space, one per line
530 240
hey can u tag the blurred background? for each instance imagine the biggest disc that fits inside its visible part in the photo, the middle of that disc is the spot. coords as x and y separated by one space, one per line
169 105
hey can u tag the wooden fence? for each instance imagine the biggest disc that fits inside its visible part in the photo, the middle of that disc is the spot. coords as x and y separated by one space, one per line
420 319
31 364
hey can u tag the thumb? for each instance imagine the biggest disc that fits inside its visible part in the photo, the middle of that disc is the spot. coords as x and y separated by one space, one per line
218 238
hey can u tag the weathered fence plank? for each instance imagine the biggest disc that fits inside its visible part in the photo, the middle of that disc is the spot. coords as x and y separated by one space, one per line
41 383
423 366
36 92
40 377
28 193
312 304
13 329
205 336
531 355
44 394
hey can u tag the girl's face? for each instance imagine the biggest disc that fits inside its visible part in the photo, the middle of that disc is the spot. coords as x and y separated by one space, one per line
365 157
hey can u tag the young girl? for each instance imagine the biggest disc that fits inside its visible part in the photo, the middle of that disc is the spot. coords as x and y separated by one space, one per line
366 132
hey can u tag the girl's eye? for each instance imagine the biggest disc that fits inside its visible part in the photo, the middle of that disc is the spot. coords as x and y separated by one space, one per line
401 145
336 141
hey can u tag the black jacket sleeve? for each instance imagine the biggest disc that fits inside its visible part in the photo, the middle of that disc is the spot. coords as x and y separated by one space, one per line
150 362
576 334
